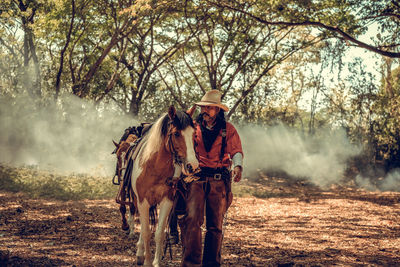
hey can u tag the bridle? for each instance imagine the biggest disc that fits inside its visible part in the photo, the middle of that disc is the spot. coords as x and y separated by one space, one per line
177 159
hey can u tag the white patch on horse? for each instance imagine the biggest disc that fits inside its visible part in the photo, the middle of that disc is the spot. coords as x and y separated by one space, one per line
165 209
190 154
153 140
143 243
131 223
137 169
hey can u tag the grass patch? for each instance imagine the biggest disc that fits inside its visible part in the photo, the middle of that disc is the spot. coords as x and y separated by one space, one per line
51 185
239 190
260 191
244 190
37 183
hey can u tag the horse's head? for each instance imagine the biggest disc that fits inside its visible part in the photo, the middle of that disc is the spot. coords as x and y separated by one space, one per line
122 154
180 142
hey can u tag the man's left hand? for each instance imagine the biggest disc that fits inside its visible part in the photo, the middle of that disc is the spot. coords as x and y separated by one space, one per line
237 174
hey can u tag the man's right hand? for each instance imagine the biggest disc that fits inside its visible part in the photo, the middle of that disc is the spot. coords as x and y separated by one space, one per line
237 174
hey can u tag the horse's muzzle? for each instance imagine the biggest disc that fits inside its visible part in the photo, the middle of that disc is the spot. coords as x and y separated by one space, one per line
189 168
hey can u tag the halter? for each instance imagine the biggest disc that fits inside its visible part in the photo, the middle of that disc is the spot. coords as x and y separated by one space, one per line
177 159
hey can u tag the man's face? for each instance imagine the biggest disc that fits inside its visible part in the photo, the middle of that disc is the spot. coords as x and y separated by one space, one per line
209 113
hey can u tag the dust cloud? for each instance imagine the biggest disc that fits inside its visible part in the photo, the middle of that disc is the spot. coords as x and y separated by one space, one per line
71 136
321 159
383 182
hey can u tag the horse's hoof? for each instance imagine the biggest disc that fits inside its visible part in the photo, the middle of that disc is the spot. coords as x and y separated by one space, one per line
128 233
139 260
131 234
125 227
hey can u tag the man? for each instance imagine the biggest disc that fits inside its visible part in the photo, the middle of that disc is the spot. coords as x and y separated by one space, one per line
218 148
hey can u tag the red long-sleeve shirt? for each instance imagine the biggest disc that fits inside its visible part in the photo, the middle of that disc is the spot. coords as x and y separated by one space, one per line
211 159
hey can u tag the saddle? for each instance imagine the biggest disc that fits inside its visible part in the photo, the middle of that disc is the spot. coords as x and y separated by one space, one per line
134 135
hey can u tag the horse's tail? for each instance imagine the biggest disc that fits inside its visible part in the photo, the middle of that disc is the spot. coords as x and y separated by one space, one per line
153 216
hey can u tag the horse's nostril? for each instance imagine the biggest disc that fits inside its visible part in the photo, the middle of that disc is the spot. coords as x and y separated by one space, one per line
189 168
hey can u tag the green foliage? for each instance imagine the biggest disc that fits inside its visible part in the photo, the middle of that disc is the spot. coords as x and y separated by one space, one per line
143 56
45 184
386 126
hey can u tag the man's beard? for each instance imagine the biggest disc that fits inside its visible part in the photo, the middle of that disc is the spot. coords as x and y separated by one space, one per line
207 118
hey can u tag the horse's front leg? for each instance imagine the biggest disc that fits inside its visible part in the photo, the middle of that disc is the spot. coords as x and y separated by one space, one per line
131 220
165 209
122 210
143 253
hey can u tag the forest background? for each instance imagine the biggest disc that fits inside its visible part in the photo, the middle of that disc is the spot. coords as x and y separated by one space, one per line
75 73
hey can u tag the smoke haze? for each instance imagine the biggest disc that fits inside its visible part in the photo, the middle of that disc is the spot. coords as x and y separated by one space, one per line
72 136
383 182
75 137
322 160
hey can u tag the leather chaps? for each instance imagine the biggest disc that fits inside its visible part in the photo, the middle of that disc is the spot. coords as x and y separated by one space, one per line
212 196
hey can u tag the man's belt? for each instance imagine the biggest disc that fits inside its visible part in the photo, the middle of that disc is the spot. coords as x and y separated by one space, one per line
205 172
216 173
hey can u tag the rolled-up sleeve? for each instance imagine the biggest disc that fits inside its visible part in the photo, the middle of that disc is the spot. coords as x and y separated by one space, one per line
233 142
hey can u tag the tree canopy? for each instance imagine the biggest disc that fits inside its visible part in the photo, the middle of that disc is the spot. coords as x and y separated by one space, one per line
342 19
271 59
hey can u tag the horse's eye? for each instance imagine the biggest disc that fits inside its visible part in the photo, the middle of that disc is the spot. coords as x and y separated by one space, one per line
177 134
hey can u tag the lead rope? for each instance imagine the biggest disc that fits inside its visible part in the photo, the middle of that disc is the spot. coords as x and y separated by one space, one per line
221 157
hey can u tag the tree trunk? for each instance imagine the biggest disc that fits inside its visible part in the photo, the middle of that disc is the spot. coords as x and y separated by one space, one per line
134 107
33 84
388 77
60 69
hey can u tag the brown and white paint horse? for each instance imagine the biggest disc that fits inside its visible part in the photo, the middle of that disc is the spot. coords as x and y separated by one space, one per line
168 142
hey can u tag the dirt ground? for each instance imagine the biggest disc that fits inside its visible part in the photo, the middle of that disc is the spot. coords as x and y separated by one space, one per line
293 224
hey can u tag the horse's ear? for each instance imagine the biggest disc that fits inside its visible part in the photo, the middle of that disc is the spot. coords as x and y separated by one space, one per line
171 112
116 144
191 110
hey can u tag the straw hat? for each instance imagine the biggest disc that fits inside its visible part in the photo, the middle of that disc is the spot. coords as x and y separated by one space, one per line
212 98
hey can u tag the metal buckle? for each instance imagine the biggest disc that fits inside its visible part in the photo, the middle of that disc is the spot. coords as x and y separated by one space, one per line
217 176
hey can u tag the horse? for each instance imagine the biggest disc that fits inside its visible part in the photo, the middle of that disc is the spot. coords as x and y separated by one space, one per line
122 152
168 143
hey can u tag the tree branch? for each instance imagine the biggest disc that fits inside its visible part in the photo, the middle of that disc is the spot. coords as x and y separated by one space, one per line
316 24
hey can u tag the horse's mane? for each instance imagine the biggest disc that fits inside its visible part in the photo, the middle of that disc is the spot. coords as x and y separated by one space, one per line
159 130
